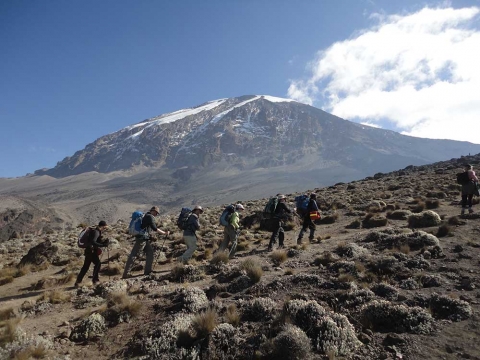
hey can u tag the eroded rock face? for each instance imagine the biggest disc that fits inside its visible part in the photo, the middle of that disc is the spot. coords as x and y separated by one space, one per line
39 254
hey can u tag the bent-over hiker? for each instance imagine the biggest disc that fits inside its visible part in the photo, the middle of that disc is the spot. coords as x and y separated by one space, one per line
92 252
143 241
280 215
230 232
189 234
307 220
469 189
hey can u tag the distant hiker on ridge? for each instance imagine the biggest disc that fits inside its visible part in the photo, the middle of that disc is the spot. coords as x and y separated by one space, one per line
230 232
143 241
307 219
92 252
189 234
469 189
280 216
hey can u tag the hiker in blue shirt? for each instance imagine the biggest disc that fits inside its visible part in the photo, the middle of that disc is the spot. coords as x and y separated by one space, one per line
143 241
307 220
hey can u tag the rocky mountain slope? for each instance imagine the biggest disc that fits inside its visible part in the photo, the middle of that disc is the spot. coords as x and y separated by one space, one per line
391 274
218 152
251 132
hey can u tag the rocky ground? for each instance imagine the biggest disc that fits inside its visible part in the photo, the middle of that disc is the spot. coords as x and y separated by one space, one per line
393 273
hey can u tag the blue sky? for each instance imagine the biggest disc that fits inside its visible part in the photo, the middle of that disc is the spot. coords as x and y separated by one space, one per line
72 71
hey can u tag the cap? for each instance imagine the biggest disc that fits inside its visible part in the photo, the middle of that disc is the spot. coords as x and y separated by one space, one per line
198 207
102 223
313 195
280 197
155 208
239 207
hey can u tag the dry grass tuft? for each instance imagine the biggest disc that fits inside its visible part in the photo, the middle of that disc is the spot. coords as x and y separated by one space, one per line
289 271
443 230
220 257
278 256
113 269
55 297
8 331
243 246
346 278
232 315
122 302
253 269
204 323
37 352
325 259
432 204
6 314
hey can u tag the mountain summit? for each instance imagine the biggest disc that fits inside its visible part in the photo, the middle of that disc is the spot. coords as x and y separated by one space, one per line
250 132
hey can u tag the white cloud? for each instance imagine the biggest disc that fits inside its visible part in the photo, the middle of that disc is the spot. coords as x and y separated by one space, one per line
420 72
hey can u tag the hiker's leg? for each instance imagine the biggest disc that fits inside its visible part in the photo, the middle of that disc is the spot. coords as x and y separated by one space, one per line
275 233
470 200
464 200
226 239
86 265
191 242
304 229
312 228
233 235
96 268
131 258
281 235
149 255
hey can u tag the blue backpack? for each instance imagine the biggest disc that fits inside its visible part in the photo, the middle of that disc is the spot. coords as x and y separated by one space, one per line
135 227
301 203
183 218
226 215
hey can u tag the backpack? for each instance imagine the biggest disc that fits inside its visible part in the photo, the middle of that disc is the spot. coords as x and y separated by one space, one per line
269 209
183 218
226 215
301 203
462 178
135 227
85 236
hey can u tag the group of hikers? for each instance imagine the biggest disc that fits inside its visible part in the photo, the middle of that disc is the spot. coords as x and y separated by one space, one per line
230 220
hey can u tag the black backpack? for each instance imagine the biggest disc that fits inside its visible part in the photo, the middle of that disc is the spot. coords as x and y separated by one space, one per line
183 218
85 237
462 178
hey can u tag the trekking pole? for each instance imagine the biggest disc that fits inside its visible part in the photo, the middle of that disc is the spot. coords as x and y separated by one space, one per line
108 265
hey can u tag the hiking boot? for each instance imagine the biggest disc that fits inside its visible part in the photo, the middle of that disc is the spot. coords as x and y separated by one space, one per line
463 211
299 241
77 285
470 211
281 247
95 282
269 248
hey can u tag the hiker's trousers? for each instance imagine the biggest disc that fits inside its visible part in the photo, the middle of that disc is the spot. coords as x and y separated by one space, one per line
307 224
278 233
91 255
191 242
229 235
140 244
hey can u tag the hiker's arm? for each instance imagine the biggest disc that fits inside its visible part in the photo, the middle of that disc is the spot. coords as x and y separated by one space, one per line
161 232
472 176
96 239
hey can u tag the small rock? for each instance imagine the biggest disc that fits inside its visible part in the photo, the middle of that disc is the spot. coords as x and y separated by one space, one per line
458 248
364 338
393 339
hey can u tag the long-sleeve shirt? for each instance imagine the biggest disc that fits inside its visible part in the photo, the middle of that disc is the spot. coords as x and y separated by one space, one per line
193 224
95 239
472 176
312 206
148 222
235 220
281 210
